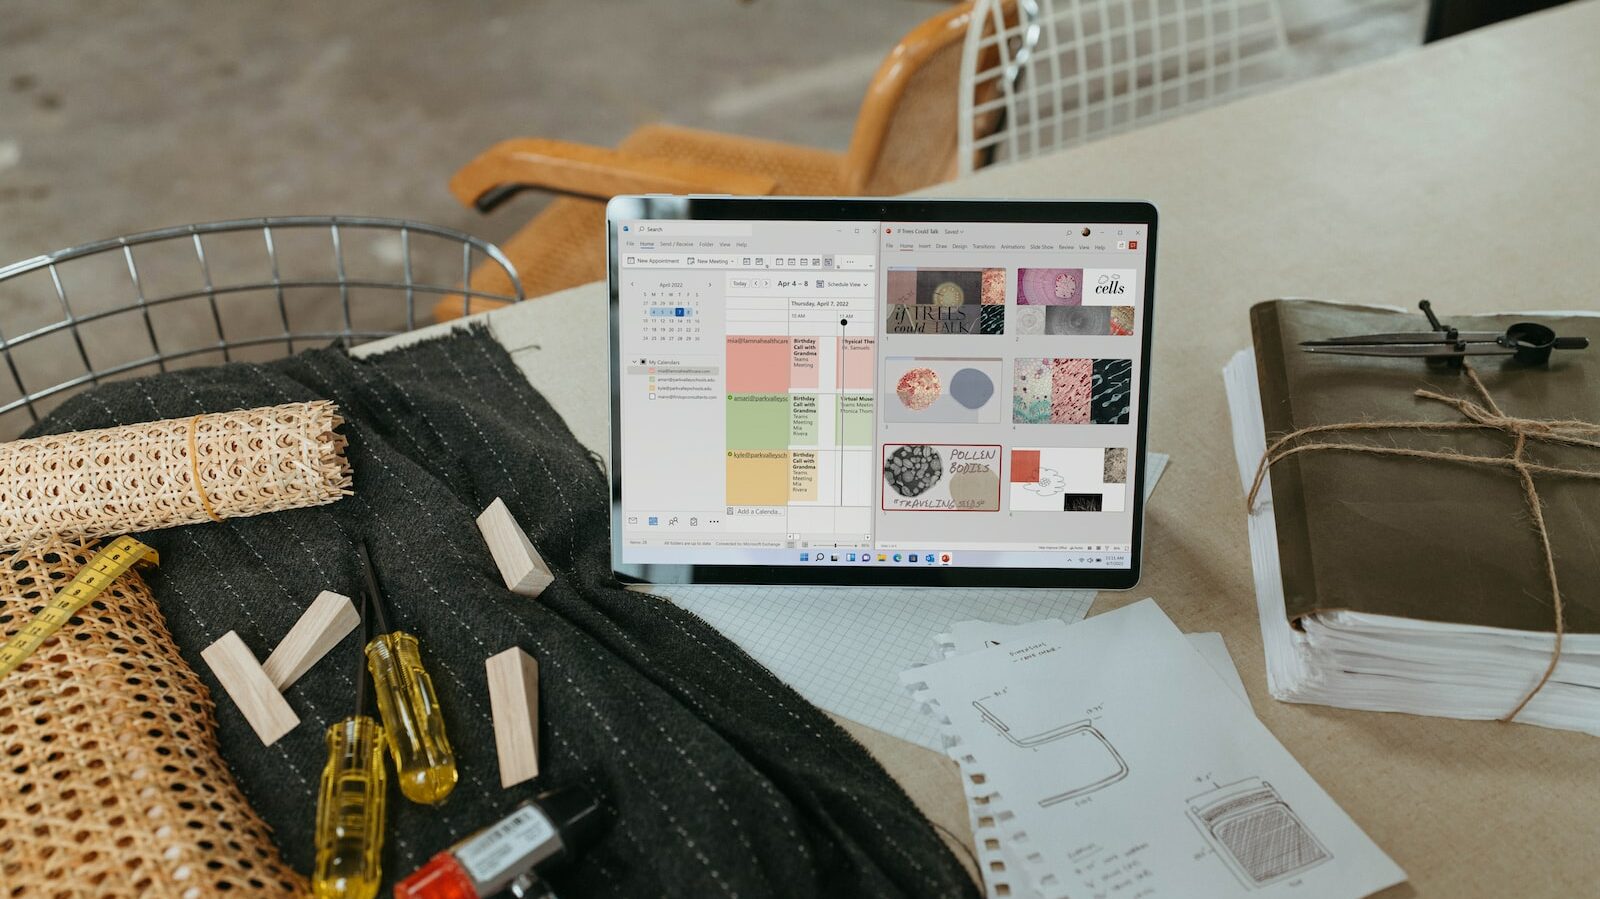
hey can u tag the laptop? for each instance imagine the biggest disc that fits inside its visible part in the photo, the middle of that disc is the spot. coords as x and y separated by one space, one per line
879 391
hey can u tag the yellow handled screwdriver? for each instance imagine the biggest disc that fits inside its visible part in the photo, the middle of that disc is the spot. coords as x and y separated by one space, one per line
412 724
350 802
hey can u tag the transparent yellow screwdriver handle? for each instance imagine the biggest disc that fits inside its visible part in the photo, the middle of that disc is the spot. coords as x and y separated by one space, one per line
350 812
423 761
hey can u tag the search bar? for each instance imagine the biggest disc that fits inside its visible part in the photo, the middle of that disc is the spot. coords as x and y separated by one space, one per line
690 229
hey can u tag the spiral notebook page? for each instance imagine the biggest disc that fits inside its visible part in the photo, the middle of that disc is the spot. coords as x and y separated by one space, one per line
1119 762
843 648
1004 876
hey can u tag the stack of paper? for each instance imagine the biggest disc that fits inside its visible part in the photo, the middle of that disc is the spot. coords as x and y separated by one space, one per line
1397 664
1109 758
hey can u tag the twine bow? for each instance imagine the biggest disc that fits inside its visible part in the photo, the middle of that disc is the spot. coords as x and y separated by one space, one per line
1484 415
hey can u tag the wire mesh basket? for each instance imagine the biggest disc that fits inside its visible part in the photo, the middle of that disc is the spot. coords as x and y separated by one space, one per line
242 290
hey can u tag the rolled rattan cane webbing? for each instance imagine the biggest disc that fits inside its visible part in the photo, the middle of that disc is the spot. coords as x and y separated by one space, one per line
142 477
111 784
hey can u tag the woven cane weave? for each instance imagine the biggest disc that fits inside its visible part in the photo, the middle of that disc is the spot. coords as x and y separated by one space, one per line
111 784
142 477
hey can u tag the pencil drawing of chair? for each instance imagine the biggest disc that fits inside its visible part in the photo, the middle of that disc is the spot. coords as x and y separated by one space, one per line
1087 760
1256 833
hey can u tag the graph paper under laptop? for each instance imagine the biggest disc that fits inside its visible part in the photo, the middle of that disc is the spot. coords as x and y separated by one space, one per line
843 648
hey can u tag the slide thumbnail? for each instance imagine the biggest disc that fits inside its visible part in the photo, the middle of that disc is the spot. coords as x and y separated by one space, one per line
1075 286
1049 286
1069 479
946 301
1072 391
937 477
1080 321
923 388
1108 286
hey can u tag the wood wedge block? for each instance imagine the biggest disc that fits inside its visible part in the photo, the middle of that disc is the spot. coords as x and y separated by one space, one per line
250 688
329 618
514 701
524 571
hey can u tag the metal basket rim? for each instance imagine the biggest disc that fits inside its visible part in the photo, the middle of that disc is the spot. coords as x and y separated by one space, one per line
24 266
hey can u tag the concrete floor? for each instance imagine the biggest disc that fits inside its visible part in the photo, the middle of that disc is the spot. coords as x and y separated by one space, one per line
121 118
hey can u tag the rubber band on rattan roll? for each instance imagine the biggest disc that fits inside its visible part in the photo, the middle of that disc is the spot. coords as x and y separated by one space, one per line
160 474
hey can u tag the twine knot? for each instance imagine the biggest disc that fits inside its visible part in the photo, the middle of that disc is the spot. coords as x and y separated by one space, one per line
1478 413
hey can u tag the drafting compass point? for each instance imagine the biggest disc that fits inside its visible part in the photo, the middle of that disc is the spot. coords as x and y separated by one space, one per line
1529 343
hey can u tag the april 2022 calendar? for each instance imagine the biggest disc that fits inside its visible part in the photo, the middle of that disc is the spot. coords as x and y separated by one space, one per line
671 315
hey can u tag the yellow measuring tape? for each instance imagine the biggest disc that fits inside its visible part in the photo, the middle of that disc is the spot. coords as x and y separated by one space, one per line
111 562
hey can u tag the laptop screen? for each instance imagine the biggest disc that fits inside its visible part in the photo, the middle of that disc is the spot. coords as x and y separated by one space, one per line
891 393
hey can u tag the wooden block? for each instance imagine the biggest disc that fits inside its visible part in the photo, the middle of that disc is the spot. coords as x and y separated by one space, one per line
329 618
524 571
252 691
514 701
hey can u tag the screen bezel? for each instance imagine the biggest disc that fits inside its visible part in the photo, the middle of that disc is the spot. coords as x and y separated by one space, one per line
876 210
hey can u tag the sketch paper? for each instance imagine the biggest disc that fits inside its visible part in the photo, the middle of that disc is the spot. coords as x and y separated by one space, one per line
1127 767
971 636
1211 647
1004 875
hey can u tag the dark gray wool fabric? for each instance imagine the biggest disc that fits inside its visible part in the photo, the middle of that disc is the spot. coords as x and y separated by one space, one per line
718 779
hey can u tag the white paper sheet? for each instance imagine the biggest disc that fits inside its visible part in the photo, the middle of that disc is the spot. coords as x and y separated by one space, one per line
1004 876
1214 650
1129 768
971 636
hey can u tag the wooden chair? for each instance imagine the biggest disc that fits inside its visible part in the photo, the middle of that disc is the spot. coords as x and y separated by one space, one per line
905 138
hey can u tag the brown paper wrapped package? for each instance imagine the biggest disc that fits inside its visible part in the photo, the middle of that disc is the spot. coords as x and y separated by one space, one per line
1423 539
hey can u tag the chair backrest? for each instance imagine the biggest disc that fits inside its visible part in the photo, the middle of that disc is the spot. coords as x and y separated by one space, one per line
1060 72
906 132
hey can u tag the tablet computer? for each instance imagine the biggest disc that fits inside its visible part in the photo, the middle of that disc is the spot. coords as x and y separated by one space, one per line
879 391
